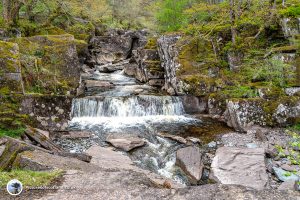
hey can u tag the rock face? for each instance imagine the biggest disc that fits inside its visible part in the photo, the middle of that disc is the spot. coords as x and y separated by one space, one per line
10 69
47 112
242 114
168 53
51 63
240 166
190 161
115 46
125 143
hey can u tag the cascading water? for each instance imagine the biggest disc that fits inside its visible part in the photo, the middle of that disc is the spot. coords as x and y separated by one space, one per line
135 106
117 111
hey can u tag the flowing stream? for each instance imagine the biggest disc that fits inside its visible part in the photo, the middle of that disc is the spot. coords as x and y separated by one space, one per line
120 111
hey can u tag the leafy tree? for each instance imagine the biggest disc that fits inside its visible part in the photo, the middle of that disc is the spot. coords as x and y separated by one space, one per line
171 14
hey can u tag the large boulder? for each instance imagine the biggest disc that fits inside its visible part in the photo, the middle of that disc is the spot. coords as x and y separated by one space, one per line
115 46
189 159
240 166
241 114
10 69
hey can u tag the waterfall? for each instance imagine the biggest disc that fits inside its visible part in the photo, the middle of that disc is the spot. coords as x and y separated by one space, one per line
134 106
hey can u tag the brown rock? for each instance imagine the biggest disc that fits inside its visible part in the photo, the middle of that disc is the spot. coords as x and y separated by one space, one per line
287 185
77 134
173 137
190 161
240 166
125 143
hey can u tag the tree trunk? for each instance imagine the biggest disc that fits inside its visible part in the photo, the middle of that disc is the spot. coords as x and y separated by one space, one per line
11 10
232 21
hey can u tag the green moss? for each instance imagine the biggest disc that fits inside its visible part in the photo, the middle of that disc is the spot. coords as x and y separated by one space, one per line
285 49
151 43
30 178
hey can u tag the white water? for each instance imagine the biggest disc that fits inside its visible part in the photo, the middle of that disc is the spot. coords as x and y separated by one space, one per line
135 106
118 111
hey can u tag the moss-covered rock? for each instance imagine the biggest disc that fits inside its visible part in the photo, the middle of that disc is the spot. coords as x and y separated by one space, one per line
49 63
243 113
10 71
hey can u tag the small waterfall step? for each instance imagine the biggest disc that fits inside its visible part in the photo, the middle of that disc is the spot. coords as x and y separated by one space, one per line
115 84
133 106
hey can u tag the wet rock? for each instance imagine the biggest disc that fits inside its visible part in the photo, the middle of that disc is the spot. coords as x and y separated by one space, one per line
212 144
194 140
194 104
130 69
240 166
189 159
115 46
101 84
285 175
125 143
287 185
77 134
173 137
156 82
108 68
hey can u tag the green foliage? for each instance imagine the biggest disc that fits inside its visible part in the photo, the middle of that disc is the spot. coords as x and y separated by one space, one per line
12 132
293 11
171 16
296 127
30 178
292 154
240 92
272 70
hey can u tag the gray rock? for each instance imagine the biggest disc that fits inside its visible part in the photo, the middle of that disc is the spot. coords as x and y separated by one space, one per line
240 166
156 82
212 144
287 185
285 175
292 91
189 159
168 53
252 145
173 137
125 143
102 84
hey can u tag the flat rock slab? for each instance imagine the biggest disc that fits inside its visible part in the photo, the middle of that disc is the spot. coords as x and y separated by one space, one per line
240 166
39 160
189 160
125 143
